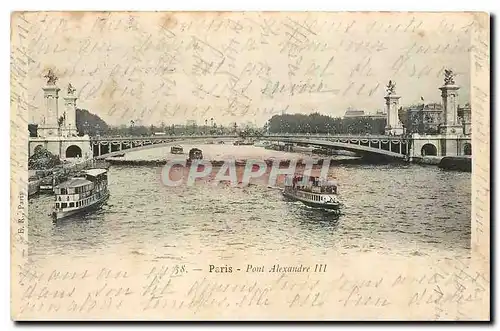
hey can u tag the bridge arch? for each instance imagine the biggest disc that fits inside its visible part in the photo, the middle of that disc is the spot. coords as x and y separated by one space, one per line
73 151
351 144
103 149
429 150
467 149
386 147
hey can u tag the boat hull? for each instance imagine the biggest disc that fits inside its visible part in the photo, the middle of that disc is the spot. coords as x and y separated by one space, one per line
58 215
319 205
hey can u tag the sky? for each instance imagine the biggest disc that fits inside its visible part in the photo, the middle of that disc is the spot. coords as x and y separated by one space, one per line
242 67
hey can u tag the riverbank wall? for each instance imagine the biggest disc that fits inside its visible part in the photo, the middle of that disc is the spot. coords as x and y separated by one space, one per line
427 160
64 168
446 163
456 163
59 174
33 187
216 163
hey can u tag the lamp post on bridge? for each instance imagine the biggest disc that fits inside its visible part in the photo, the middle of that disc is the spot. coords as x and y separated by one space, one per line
132 123
86 128
287 126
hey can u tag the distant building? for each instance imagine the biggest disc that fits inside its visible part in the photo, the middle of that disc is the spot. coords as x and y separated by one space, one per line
354 113
248 125
464 115
350 113
190 123
426 118
421 118
378 115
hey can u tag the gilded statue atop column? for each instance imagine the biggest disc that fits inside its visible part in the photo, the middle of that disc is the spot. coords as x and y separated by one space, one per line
71 89
391 88
51 77
449 77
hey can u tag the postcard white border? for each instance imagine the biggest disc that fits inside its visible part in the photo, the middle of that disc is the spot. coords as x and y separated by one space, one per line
145 5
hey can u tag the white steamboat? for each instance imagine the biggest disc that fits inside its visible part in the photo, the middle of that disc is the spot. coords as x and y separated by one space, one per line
81 193
312 192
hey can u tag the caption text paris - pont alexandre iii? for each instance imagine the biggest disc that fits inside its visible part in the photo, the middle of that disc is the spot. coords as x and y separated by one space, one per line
273 268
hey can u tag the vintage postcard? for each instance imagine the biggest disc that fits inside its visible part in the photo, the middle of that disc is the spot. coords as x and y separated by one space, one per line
321 166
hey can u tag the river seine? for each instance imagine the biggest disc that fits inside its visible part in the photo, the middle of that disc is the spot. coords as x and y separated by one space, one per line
394 209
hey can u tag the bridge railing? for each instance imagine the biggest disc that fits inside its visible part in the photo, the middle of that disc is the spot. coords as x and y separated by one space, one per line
270 135
162 137
378 144
334 136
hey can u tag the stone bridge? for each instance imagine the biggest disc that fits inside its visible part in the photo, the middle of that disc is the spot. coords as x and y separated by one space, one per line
103 147
388 146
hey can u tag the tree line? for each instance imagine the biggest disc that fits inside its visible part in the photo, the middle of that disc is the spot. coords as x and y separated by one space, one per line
93 125
322 124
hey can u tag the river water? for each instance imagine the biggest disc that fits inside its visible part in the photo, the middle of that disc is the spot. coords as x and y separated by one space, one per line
393 209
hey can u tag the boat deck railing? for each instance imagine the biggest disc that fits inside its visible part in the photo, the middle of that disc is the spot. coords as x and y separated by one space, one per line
317 189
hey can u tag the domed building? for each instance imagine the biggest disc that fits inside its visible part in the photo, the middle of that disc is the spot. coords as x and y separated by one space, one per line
421 118
427 118
464 114
434 129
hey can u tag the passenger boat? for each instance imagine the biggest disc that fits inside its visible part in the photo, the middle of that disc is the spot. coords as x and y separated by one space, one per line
83 192
195 154
312 192
322 151
277 147
176 150
47 184
261 143
243 143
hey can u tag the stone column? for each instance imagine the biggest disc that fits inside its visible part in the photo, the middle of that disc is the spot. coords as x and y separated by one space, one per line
393 126
450 126
51 95
50 126
70 112
449 92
